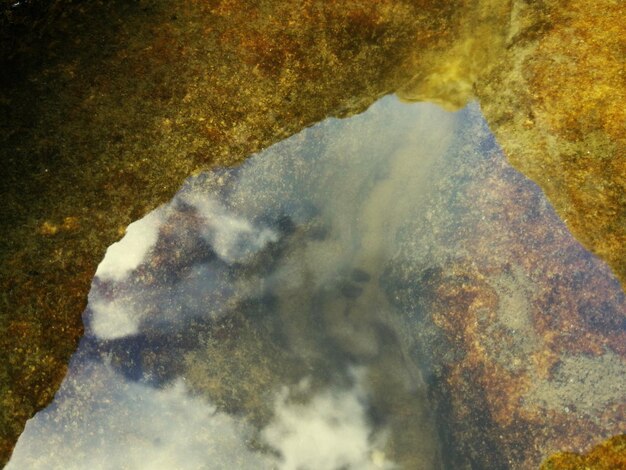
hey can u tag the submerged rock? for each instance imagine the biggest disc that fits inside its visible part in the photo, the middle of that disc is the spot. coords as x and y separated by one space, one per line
105 109
477 334
608 455
553 100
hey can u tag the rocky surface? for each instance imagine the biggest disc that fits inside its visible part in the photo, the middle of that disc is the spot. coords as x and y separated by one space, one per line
553 101
485 335
608 455
522 331
106 109
104 117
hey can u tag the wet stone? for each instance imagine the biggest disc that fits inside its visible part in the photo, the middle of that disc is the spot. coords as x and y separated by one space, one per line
222 331
107 106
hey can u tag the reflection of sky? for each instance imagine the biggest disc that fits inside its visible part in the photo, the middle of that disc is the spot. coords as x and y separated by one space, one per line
101 421
227 238
295 240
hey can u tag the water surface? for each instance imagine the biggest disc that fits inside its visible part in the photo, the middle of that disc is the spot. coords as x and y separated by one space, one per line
291 313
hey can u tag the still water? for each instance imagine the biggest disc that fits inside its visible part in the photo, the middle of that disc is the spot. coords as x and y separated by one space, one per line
273 315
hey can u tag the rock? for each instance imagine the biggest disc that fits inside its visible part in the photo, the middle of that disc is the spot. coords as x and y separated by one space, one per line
109 106
520 330
553 101
105 107
607 455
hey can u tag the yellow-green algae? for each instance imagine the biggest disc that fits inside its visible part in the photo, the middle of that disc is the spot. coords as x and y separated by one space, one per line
609 455
108 106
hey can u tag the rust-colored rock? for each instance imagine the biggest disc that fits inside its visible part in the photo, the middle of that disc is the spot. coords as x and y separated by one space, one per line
522 330
105 110
553 99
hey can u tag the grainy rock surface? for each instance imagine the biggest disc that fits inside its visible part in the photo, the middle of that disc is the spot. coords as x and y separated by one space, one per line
521 331
553 99
606 456
105 107
105 115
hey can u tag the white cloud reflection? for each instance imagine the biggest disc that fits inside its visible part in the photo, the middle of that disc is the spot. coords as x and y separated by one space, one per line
232 237
337 198
331 431
101 422
113 319
126 255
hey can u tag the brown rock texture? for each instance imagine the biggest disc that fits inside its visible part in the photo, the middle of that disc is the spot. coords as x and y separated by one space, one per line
554 99
109 107
105 109
522 331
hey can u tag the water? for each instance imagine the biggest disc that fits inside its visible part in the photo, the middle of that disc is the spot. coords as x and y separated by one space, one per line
287 313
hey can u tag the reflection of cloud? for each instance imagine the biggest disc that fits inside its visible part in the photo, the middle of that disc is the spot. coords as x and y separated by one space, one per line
127 254
205 290
136 306
114 319
282 184
329 432
233 238
100 422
